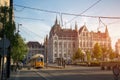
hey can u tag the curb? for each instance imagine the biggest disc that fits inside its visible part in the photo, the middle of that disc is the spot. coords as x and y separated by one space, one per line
59 67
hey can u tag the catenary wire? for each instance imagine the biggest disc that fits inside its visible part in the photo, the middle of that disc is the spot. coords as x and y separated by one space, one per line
83 11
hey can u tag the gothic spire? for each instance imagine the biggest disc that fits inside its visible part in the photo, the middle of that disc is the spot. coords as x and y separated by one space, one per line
56 21
106 31
76 28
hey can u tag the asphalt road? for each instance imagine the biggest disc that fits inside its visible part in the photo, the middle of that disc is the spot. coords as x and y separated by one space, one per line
26 75
76 73
69 73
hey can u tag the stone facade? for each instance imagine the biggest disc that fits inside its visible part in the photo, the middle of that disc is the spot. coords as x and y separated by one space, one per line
63 43
4 2
117 47
34 48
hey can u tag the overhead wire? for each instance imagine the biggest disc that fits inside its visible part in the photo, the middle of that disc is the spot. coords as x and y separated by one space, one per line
37 9
83 11
19 9
24 32
31 31
64 13
27 32
28 18
118 21
92 16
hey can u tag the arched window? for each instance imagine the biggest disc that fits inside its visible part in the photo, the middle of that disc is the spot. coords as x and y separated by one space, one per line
55 44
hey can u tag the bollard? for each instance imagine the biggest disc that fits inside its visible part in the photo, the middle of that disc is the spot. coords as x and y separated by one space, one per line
116 72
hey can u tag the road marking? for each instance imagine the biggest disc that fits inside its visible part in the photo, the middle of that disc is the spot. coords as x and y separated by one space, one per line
42 76
17 75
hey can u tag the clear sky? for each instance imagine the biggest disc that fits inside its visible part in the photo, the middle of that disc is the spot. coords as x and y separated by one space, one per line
36 30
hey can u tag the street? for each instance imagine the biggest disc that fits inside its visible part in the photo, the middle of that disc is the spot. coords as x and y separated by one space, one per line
63 39
69 73
26 75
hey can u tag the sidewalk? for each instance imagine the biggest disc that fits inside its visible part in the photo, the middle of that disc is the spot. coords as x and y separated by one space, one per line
60 67
54 66
13 75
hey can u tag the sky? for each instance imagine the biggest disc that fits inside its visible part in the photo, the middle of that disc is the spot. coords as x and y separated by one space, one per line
36 30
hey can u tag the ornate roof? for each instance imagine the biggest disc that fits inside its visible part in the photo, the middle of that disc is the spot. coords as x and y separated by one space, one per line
83 28
34 44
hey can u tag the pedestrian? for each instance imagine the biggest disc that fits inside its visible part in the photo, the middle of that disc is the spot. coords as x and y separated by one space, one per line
64 63
116 72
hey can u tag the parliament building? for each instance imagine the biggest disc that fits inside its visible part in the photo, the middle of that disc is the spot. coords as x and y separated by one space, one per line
63 42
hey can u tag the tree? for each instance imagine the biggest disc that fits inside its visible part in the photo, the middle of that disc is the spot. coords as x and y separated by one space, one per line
18 47
19 50
111 53
78 55
112 56
88 55
97 51
104 52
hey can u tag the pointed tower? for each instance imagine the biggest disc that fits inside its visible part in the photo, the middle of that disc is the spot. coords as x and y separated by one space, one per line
106 31
56 22
76 28
71 26
44 41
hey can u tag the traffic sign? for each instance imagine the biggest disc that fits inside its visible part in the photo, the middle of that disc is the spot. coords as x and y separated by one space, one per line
3 51
4 43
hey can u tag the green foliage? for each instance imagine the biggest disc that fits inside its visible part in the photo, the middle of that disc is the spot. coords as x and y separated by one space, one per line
88 55
104 52
19 50
97 51
78 55
18 47
7 29
112 54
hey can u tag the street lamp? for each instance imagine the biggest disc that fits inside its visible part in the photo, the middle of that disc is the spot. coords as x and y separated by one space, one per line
18 27
46 48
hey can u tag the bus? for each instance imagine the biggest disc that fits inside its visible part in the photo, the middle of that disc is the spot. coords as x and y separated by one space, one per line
37 61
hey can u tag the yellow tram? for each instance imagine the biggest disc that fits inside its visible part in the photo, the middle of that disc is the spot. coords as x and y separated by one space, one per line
37 61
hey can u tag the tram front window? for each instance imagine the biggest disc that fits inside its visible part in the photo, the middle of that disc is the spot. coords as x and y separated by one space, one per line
39 59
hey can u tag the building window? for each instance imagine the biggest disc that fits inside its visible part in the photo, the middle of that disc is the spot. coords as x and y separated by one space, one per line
32 46
65 55
55 38
55 44
55 55
69 45
55 49
60 55
60 50
84 44
80 44
83 33
65 44
73 44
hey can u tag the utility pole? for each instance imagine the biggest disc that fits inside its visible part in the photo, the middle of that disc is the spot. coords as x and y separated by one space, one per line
3 76
46 43
18 28
9 49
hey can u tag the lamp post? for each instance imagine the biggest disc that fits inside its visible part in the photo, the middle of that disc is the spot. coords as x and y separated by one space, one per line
46 48
18 28
9 49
